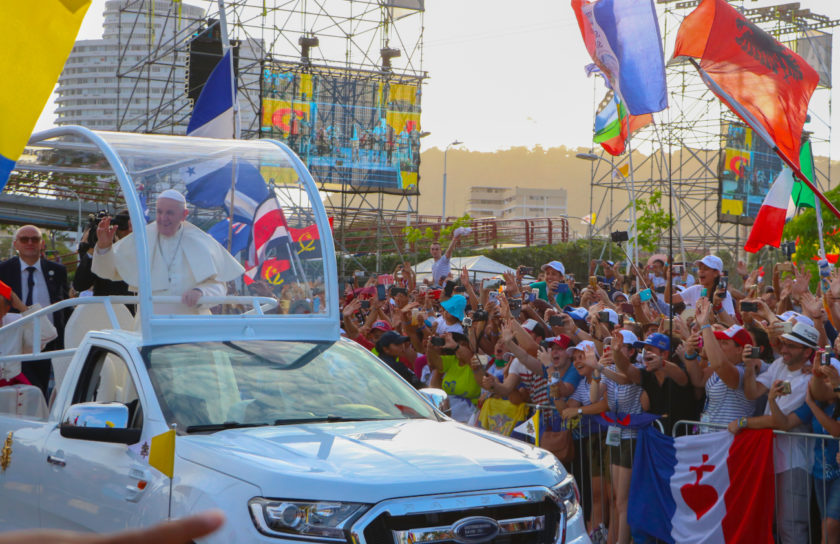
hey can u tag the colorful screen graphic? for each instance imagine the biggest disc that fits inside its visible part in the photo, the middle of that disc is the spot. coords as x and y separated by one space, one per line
747 169
352 128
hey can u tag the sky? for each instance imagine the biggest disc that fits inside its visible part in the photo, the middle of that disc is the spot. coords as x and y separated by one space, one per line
504 74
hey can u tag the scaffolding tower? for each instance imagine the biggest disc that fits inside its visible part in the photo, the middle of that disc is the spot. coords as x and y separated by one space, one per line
680 154
382 38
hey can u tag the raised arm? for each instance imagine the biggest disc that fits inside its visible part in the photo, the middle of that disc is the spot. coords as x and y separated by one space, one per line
717 360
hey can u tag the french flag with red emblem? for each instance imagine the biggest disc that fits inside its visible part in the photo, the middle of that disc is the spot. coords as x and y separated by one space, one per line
708 488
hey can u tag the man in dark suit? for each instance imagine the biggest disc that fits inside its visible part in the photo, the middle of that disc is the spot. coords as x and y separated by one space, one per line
37 280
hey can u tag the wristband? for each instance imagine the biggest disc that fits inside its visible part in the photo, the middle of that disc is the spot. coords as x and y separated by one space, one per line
706 326
688 357
596 378
742 422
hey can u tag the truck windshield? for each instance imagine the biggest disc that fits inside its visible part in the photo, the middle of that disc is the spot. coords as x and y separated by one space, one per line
207 386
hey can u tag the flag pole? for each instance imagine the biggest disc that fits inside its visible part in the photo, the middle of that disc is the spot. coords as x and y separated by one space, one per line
632 195
225 50
174 427
748 118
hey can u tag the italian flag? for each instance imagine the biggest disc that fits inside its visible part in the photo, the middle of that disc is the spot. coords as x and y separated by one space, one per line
770 221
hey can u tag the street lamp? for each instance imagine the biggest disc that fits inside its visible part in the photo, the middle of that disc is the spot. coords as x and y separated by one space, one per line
443 207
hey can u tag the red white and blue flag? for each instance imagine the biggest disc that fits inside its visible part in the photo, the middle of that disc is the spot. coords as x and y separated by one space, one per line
710 488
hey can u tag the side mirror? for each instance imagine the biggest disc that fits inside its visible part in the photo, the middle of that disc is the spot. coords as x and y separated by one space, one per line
437 398
99 422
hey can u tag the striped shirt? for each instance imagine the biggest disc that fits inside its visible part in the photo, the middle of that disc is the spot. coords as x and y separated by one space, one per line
624 399
725 405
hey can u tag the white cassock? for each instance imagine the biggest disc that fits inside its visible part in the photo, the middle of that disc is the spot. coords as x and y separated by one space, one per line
21 340
190 259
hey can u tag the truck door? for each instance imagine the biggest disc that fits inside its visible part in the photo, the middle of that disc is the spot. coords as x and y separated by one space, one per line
89 485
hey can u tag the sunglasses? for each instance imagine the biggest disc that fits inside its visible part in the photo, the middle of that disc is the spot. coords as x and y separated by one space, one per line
29 239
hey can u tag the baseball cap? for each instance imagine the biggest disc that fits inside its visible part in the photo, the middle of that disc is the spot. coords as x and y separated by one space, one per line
803 334
655 340
629 337
382 326
556 265
5 291
561 341
712 262
790 314
576 313
392 337
581 346
736 333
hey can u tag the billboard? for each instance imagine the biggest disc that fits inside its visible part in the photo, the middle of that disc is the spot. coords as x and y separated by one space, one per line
354 129
747 168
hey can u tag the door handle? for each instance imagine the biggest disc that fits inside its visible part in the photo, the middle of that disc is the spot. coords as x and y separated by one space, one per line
57 461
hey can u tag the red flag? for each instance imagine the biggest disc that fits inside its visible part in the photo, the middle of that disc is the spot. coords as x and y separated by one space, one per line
771 82
269 224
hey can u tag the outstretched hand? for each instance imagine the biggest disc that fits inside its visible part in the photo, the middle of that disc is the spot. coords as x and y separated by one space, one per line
105 233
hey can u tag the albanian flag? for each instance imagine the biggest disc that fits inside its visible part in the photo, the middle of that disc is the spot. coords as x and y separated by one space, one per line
768 80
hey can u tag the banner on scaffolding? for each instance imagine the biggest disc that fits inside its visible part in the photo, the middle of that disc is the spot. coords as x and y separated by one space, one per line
747 169
356 130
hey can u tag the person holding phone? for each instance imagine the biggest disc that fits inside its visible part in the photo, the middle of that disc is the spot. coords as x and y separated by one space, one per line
554 285
709 273
441 266
460 372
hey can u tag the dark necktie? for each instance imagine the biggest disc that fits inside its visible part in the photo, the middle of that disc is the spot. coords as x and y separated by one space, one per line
30 284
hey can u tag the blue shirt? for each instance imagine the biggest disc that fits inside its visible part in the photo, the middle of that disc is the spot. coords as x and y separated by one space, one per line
824 469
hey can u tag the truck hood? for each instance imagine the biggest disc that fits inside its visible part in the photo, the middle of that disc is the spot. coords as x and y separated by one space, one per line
370 461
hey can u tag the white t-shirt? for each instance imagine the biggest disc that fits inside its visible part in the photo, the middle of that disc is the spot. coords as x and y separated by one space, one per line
692 294
788 452
442 327
440 270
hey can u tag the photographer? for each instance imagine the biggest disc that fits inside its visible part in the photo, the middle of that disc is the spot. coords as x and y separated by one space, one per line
451 357
710 284
85 279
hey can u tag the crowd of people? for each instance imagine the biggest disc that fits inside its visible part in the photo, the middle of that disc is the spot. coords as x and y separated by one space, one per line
676 341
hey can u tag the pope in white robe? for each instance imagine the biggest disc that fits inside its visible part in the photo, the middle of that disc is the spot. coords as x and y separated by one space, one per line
184 260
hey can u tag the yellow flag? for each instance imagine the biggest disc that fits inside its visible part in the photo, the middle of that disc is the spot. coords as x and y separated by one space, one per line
38 37
536 422
162 452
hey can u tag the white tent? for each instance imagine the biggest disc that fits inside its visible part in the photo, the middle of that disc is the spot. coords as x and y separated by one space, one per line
479 266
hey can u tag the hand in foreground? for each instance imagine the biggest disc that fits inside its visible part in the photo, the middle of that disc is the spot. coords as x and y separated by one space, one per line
181 531
190 298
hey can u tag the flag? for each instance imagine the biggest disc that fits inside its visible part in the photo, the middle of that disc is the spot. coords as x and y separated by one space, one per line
213 113
589 219
241 234
803 196
759 79
162 452
611 125
38 37
269 227
208 185
307 242
770 221
622 37
708 488
531 427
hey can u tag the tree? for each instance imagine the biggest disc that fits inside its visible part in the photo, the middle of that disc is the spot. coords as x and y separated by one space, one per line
651 222
803 229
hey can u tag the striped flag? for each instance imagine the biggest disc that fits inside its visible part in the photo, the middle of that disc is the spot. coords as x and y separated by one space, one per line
770 221
38 37
213 114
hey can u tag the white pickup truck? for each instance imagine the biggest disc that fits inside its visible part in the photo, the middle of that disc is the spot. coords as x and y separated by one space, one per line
297 434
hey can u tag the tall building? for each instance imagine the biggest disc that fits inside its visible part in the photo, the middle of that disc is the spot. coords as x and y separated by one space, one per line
149 44
515 202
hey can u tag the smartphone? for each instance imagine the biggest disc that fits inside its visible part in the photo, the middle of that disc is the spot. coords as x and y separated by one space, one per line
562 287
555 320
365 305
449 287
359 274
593 282
668 324
527 270
677 270
438 341
508 356
785 267
723 283
787 327
604 317
747 306
515 305
755 352
381 295
493 296
703 292
646 294
785 388
626 308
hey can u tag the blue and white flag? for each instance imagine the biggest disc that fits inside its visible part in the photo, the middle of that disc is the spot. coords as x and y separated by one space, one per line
241 234
213 114
628 48
208 186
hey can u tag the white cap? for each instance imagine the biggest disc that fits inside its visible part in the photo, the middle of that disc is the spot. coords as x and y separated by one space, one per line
629 337
791 315
803 334
712 262
556 265
172 194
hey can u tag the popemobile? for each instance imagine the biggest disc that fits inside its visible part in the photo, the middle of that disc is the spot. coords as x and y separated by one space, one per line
297 434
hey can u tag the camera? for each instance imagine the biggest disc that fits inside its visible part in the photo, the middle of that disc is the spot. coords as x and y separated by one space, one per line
119 220
480 314
749 306
619 236
438 341
365 305
527 270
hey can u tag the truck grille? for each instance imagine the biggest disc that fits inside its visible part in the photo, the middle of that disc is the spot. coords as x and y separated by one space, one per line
523 517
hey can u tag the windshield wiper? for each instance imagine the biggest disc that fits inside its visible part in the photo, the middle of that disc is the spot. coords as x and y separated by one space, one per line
222 426
324 419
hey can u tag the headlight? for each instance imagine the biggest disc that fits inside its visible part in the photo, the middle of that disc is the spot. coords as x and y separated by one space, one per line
568 495
321 519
